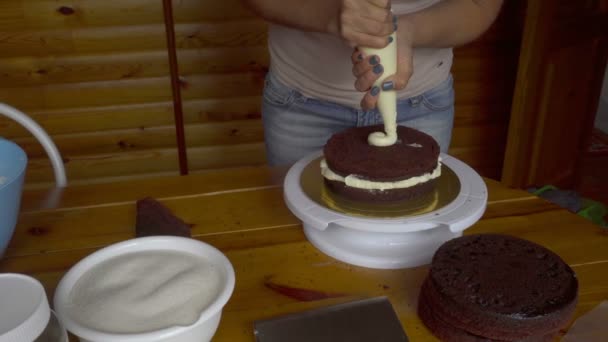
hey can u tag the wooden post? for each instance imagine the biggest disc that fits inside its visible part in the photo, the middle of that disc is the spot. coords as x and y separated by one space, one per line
175 87
561 67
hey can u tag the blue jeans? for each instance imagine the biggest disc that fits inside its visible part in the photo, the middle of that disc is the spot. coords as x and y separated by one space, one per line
295 125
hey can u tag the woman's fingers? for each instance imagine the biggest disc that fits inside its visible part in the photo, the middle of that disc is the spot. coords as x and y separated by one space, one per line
366 23
363 64
370 99
367 79
357 56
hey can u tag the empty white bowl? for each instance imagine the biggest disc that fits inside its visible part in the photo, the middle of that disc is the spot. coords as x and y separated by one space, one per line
25 314
202 330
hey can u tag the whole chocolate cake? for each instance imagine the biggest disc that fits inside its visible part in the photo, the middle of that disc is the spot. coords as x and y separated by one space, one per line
494 287
357 170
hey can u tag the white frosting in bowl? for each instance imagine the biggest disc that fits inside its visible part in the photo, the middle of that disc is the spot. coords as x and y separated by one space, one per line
144 291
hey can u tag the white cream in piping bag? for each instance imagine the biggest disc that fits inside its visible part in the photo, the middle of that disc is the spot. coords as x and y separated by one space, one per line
387 99
387 106
361 183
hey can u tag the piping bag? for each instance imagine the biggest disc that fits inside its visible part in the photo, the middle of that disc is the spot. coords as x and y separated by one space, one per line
387 99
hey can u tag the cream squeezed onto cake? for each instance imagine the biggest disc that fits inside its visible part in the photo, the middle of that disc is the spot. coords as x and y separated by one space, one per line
387 100
387 106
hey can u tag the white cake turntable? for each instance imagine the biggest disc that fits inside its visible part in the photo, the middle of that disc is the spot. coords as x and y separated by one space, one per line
385 236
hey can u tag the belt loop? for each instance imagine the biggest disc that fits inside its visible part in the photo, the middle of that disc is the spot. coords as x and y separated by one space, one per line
360 115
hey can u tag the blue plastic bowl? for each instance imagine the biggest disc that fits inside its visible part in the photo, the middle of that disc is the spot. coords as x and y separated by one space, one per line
13 162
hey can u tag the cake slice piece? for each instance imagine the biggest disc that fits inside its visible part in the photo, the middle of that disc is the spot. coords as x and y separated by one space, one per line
153 219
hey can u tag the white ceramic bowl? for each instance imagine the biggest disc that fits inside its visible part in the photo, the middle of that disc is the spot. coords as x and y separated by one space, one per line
201 330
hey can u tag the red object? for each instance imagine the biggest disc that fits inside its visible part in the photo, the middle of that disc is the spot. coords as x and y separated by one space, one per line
300 294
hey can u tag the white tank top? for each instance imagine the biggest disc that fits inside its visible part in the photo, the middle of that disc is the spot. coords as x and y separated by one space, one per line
318 65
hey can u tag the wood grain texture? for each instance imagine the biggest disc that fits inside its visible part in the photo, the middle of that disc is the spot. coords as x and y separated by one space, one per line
245 217
112 39
152 89
137 116
36 71
145 163
221 133
252 201
21 15
205 183
95 75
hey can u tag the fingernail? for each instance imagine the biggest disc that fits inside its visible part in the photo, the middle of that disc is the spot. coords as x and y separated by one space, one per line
375 91
360 57
378 69
388 85
390 39
373 60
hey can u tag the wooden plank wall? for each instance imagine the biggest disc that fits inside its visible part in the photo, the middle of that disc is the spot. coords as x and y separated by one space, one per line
95 75
484 80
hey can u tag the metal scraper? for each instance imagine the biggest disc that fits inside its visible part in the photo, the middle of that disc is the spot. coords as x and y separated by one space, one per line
359 321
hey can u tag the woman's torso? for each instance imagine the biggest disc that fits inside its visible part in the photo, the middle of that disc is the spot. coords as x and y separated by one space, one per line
318 65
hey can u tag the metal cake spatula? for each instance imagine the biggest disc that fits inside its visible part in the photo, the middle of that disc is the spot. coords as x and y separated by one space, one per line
359 321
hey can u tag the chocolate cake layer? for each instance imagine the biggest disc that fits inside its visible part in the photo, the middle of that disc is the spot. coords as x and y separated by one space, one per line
500 287
443 330
377 195
446 332
348 153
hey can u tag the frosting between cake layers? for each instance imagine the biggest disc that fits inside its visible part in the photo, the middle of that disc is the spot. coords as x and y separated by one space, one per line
361 183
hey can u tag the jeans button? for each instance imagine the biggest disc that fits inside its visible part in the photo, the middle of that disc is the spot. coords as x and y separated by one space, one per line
415 101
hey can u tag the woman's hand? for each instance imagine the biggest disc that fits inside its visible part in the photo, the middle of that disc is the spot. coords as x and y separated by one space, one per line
364 22
367 69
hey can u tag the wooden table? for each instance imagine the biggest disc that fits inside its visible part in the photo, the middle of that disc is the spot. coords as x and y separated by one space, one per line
241 211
